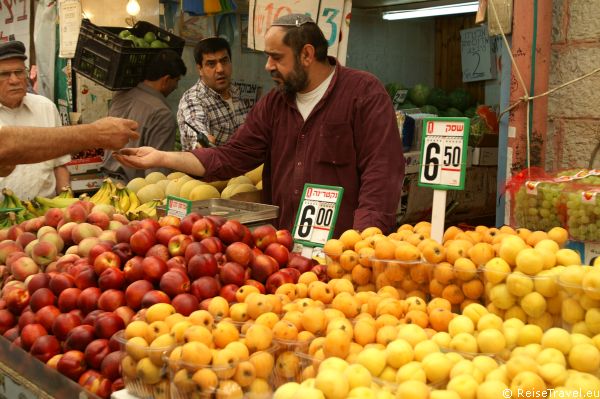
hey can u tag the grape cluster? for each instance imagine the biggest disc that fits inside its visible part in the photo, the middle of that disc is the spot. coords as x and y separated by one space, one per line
539 211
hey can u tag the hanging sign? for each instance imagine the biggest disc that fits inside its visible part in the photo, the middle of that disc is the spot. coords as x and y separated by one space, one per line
332 16
179 207
444 153
476 55
317 214
15 20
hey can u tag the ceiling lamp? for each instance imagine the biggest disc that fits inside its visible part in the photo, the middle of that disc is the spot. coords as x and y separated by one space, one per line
133 8
459 8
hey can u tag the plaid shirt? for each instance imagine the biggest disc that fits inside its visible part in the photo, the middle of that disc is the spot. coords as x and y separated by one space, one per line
204 109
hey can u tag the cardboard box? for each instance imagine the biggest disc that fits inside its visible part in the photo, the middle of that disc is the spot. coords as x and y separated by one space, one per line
84 165
87 181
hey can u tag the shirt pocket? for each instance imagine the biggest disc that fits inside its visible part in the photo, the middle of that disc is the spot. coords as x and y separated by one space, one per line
336 144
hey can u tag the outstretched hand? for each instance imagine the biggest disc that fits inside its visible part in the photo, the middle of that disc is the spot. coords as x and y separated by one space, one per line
139 158
115 133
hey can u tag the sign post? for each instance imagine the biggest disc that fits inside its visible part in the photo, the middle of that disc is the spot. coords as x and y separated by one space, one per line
316 218
443 163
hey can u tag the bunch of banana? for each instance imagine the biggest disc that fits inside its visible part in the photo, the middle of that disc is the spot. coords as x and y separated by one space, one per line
104 193
15 211
34 207
124 199
8 219
144 211
11 201
65 192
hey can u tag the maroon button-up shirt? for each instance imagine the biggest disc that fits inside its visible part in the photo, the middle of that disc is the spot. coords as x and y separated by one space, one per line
350 139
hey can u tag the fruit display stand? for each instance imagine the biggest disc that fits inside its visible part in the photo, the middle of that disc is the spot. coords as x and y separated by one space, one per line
23 376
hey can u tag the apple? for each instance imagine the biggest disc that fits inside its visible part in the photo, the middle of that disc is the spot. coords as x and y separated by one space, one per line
63 323
99 219
213 244
86 277
205 287
124 233
150 224
26 317
154 268
88 299
97 249
84 230
7 321
95 352
195 248
123 251
109 367
30 333
231 231
53 216
12 333
169 220
159 251
60 282
46 315
259 285
188 222
203 228
185 303
321 272
23 267
133 269
279 252
64 262
111 299
165 233
72 364
202 265
153 297
37 281
25 239
90 318
108 236
217 220
111 278
178 244
79 337
277 279
107 324
293 273
248 239
177 262
174 283
67 300
301 263
240 253
17 299
40 298
45 347
135 292
106 260
120 218
263 266
141 241
85 246
284 237
228 292
6 248
264 235
14 232
125 313
232 273
95 383
75 213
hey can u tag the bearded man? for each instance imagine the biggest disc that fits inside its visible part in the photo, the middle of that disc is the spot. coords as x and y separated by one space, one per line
323 124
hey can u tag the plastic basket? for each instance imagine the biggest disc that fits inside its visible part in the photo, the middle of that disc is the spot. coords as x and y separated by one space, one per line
113 62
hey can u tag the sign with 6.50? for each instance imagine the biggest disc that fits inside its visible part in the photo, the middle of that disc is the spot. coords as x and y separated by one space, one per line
317 214
444 153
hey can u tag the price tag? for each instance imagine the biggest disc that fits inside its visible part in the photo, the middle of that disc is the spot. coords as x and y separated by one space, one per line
444 153
179 207
317 214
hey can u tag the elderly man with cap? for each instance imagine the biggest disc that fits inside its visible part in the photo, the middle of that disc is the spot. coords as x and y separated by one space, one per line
19 108
323 123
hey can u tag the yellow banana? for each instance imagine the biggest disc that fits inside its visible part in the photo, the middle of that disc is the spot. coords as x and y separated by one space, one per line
65 192
134 201
124 202
102 196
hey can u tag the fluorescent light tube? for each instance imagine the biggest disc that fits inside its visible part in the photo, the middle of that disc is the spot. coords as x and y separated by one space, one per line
461 8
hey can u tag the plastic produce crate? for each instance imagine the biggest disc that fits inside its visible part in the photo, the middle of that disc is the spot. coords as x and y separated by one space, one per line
113 62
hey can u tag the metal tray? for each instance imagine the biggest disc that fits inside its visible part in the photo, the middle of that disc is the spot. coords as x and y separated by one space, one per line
244 212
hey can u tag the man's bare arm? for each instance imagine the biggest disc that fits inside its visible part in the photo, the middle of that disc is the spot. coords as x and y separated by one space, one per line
24 144
148 157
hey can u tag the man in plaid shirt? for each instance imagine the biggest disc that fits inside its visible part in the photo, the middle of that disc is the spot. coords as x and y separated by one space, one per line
212 107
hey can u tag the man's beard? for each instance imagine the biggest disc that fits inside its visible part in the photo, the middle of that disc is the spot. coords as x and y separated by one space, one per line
295 82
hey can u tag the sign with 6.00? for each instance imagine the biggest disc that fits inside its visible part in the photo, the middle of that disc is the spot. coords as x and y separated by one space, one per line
444 153
317 214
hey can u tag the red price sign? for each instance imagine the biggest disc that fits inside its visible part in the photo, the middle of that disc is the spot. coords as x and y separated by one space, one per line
14 15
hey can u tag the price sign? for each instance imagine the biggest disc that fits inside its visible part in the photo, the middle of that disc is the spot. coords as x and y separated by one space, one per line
179 207
15 18
332 16
317 214
444 153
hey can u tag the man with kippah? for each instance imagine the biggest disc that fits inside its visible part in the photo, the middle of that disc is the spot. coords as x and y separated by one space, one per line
323 123
19 108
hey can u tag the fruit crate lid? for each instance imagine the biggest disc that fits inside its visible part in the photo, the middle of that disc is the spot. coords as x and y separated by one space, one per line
244 212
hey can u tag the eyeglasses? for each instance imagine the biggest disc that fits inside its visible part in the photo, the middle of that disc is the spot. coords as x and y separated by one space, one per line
296 20
19 73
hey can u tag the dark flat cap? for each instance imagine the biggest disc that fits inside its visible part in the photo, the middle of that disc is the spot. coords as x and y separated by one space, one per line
14 49
296 20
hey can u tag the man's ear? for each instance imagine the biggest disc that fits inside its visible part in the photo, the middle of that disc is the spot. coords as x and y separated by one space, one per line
307 54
